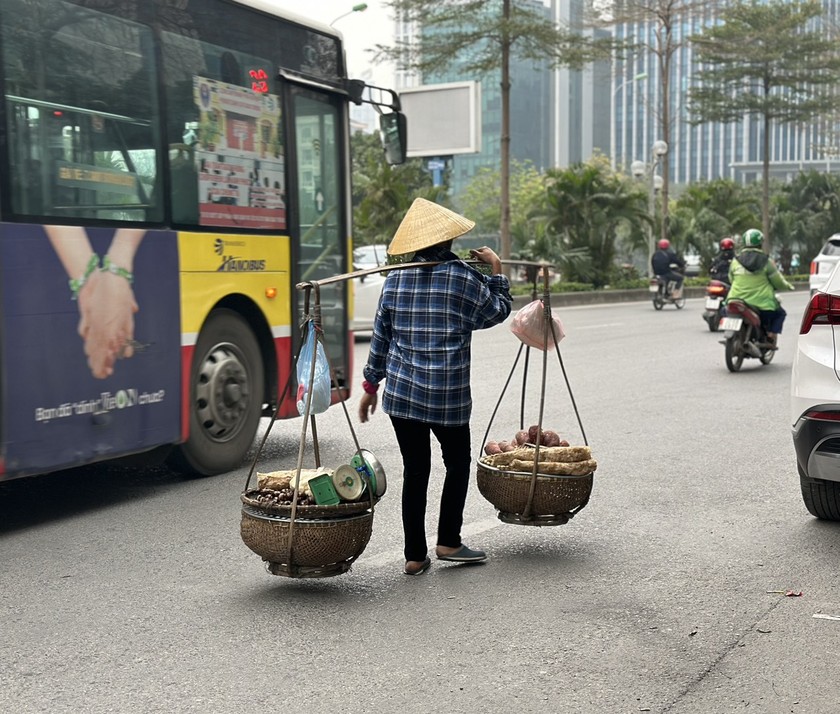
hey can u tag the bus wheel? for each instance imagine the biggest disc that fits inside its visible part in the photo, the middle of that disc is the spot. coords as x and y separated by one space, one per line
226 397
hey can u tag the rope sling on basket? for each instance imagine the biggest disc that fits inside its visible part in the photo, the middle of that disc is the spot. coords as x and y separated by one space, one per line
311 523
537 479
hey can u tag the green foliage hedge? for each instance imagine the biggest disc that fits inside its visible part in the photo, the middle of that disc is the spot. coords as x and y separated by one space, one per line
636 284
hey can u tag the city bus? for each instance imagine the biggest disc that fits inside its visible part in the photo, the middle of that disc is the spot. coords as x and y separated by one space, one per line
170 170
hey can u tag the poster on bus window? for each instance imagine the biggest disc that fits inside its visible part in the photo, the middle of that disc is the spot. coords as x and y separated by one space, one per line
239 157
91 343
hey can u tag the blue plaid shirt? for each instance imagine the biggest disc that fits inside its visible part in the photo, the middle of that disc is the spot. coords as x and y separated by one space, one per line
422 335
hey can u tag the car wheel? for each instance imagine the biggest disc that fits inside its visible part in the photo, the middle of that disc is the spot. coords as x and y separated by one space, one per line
226 397
822 498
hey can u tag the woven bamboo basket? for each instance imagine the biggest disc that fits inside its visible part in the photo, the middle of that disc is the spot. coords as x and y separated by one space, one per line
553 495
319 547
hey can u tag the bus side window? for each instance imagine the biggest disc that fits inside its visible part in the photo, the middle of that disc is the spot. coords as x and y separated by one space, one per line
184 184
82 137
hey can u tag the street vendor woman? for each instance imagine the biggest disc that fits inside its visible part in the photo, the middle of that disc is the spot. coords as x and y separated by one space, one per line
420 348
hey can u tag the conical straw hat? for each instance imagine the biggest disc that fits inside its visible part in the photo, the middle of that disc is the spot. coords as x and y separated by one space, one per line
426 224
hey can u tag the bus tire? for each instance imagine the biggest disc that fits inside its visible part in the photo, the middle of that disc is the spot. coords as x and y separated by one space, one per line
225 397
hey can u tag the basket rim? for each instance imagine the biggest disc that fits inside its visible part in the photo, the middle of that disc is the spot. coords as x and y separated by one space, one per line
530 474
311 511
255 512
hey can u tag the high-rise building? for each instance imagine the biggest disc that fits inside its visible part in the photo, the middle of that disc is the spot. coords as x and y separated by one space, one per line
530 111
561 116
710 150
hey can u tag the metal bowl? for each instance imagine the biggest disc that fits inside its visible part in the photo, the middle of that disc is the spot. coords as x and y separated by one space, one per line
374 469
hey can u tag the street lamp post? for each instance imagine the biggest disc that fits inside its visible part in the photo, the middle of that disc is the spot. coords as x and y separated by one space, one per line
361 7
641 75
638 168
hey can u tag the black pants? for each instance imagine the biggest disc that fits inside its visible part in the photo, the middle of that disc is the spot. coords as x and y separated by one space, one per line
414 439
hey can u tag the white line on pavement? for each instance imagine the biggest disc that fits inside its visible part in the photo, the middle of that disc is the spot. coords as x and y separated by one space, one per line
389 557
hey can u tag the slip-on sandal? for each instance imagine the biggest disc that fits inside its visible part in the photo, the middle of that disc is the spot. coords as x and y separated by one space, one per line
465 555
424 566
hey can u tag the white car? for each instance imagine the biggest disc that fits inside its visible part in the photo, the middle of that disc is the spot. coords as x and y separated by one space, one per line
815 401
692 265
824 263
366 290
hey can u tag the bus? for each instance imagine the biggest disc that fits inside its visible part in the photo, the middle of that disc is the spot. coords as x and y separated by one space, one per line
170 170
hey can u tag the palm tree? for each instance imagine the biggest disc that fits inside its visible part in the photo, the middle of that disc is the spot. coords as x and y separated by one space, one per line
584 208
708 211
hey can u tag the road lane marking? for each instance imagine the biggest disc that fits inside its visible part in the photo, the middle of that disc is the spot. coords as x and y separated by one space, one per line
389 557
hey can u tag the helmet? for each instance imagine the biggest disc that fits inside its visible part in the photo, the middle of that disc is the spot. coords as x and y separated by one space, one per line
752 238
727 244
664 244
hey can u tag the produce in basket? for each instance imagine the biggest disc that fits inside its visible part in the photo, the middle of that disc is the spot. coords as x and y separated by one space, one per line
280 497
558 454
280 480
555 460
533 435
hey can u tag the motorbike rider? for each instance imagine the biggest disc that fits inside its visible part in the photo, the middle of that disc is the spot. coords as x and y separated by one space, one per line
661 262
754 278
719 269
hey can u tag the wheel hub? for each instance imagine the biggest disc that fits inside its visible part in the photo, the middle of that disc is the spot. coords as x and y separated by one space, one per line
222 393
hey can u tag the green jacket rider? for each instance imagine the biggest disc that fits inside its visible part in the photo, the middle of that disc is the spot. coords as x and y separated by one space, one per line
755 279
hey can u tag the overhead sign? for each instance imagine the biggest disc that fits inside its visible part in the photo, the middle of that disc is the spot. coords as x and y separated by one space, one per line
443 119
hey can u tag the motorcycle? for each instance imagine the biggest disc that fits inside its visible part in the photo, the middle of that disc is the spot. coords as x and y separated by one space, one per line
745 336
716 292
663 292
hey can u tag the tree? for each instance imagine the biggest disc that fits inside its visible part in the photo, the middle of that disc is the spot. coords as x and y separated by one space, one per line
663 38
383 193
706 212
584 208
770 59
481 198
480 37
806 212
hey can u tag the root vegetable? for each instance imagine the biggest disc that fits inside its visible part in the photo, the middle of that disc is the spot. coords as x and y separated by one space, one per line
492 447
563 442
521 437
534 433
506 446
550 438
558 454
576 468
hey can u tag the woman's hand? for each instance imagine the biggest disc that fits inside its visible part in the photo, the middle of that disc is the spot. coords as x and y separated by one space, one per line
486 255
106 307
367 406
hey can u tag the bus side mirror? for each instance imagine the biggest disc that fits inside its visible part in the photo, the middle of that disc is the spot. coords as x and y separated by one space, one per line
392 132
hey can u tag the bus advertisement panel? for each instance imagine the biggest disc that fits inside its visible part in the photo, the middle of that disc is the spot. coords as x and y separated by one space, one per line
92 370
239 157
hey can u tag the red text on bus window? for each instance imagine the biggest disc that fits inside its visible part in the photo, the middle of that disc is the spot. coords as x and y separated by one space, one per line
259 80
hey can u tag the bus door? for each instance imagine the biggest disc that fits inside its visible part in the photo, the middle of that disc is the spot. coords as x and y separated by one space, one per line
319 222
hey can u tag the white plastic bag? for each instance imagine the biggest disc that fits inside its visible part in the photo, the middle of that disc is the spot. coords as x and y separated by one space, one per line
529 326
321 393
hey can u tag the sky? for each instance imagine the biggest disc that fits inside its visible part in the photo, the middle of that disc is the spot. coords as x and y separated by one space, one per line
361 31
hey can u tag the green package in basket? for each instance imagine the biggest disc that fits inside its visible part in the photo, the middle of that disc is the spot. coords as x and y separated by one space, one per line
323 490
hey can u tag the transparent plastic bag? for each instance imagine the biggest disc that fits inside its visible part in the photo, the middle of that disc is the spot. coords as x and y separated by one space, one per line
529 326
321 392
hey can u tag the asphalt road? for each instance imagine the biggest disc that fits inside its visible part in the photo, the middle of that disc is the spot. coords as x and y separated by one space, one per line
125 590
